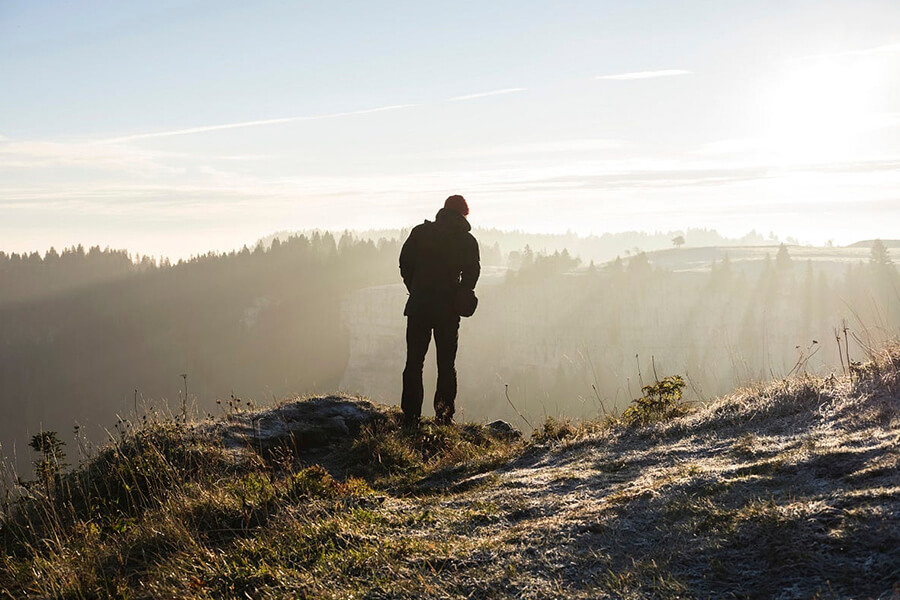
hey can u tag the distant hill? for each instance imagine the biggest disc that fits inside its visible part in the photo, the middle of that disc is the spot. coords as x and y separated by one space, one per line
787 490
831 259
497 244
869 243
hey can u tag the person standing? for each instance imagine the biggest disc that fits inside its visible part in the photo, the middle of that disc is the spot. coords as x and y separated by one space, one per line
440 265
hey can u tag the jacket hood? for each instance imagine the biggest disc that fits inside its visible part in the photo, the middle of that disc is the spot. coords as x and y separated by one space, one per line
451 219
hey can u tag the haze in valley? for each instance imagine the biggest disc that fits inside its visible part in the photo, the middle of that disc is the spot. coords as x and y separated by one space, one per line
212 196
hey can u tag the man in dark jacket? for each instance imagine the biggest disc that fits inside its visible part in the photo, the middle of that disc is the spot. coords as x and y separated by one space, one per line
439 260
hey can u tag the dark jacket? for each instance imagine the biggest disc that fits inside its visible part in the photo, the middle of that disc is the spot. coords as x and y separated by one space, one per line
436 260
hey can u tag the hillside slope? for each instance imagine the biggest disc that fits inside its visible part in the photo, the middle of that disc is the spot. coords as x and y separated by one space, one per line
790 490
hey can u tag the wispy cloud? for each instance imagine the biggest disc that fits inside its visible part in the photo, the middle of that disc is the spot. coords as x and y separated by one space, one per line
733 146
45 154
553 147
883 49
486 94
646 74
242 124
16 154
214 189
774 145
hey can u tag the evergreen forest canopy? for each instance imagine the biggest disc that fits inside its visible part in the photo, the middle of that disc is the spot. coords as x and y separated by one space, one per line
89 335
497 244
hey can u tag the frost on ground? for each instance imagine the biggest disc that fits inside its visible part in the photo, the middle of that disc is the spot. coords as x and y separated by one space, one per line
791 490
788 490
784 492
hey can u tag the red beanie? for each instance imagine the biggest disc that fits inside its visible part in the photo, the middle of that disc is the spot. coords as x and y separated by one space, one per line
457 203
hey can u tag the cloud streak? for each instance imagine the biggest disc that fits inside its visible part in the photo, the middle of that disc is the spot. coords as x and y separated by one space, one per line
215 186
645 74
486 94
883 49
285 120
242 124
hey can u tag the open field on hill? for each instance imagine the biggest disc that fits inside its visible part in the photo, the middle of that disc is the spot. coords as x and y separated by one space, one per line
787 490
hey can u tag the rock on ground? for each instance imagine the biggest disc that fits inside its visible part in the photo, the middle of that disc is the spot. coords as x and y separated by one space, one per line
305 423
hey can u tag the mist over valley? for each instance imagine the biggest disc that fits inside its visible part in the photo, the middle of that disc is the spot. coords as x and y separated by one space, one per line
93 336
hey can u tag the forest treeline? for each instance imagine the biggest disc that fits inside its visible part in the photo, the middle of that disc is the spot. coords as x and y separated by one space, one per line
86 335
496 244
591 339
564 338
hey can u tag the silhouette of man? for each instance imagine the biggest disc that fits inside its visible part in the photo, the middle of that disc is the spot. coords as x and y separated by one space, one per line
439 260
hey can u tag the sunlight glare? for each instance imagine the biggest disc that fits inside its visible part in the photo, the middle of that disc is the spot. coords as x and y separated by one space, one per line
819 107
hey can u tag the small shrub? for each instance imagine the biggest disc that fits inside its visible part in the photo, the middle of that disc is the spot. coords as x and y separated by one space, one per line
383 449
389 456
660 402
51 461
316 482
553 430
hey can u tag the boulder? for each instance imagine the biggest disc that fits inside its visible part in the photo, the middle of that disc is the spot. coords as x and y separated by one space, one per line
504 429
301 424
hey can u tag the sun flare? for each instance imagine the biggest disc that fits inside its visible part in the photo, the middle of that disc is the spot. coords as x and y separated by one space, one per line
819 108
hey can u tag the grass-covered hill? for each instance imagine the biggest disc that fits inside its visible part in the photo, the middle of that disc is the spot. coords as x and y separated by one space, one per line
789 490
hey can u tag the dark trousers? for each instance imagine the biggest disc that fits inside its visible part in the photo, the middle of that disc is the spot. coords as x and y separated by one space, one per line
446 339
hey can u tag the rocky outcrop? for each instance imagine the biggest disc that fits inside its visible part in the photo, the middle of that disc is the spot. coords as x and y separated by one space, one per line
301 424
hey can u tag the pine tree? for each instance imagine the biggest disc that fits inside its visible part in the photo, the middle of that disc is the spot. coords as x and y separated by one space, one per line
783 258
879 255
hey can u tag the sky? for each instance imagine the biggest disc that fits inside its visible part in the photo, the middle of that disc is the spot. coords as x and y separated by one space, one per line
173 128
